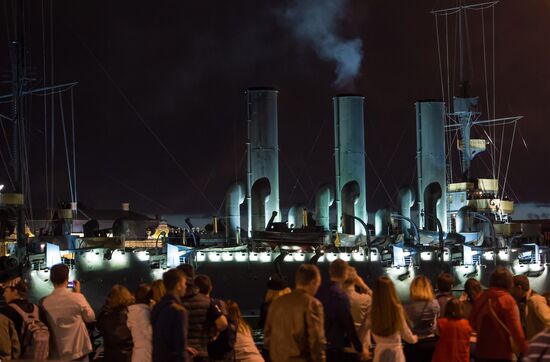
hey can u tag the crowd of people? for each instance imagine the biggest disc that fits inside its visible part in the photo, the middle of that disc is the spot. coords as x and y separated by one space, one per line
342 319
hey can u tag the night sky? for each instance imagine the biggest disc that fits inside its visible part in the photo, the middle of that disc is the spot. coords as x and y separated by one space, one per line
181 68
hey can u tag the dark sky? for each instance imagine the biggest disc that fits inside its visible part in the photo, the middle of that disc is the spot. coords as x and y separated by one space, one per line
182 67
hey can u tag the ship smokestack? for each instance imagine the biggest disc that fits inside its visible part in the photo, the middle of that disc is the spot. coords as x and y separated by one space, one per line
296 217
324 198
234 198
262 193
349 159
431 166
405 200
382 222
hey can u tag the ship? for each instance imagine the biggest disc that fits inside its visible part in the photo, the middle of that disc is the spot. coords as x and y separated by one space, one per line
450 221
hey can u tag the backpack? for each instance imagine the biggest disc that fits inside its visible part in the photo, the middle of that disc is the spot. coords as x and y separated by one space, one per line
224 343
35 335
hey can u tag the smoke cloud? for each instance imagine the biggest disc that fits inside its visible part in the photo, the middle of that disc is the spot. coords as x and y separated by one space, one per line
314 22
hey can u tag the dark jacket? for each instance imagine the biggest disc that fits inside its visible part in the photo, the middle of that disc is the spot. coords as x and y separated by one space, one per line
339 327
169 322
117 338
200 316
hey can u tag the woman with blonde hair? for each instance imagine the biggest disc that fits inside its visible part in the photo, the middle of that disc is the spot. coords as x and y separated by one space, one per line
245 349
388 324
157 291
422 312
112 323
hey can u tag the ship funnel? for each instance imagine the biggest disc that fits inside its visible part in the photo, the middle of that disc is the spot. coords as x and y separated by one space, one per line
234 197
262 188
465 220
324 198
296 216
382 222
405 200
431 166
349 159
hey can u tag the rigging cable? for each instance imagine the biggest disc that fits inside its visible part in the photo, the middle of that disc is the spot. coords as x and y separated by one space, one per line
128 187
493 154
75 198
62 113
52 104
310 153
45 108
392 203
390 160
509 158
145 123
439 57
448 64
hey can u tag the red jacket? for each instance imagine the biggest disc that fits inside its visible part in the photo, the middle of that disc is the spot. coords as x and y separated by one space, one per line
493 342
454 341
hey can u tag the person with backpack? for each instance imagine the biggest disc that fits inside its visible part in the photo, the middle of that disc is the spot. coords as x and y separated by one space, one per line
222 341
9 342
67 313
29 320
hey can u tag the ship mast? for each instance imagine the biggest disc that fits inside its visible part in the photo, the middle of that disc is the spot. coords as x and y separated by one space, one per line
18 83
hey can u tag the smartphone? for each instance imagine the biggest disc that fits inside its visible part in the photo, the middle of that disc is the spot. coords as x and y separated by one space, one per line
70 284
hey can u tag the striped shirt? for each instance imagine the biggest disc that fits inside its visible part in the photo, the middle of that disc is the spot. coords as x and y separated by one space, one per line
539 348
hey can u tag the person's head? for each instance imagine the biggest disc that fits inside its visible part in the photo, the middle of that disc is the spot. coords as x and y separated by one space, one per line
157 290
352 277
203 284
308 278
143 294
421 289
234 312
473 289
339 270
119 296
445 283
188 270
454 309
501 278
175 282
276 287
521 287
386 309
59 275
14 289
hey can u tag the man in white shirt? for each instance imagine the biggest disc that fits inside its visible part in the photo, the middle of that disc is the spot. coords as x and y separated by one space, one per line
67 312
533 309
